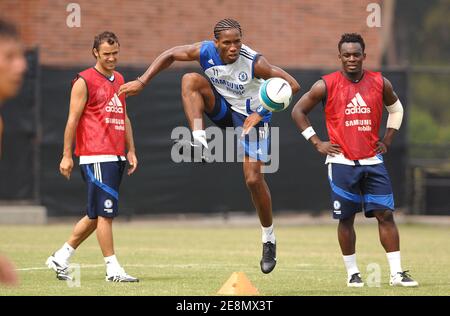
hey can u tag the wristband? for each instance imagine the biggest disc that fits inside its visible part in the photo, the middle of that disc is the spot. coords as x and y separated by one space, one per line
262 111
308 133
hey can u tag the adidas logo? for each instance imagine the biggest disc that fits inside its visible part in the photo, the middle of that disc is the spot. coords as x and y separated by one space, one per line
114 105
211 62
357 106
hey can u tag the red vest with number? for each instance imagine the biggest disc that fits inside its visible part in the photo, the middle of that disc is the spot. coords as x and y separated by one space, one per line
101 129
353 112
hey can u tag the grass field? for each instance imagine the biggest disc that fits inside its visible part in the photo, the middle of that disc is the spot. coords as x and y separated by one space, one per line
198 260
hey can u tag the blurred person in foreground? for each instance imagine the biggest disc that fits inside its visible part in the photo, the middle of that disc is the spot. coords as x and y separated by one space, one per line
12 69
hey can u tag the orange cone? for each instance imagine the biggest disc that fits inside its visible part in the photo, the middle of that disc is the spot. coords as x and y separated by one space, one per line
238 284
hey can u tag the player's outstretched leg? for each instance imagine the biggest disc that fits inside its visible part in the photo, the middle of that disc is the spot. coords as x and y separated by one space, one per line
262 201
347 242
59 261
389 238
198 98
114 271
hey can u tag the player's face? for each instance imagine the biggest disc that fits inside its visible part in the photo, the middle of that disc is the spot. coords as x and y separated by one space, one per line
107 55
352 57
12 67
229 45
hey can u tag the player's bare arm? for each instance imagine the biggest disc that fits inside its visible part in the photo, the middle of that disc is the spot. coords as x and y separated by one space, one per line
131 150
390 99
264 70
78 100
179 53
300 116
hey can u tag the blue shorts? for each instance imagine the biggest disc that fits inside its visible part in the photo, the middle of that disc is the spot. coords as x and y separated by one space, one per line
357 188
222 113
103 181
256 145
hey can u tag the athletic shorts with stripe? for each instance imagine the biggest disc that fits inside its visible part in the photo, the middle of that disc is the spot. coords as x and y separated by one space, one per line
256 145
103 181
357 188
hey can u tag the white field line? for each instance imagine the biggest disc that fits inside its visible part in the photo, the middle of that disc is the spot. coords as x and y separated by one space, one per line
180 266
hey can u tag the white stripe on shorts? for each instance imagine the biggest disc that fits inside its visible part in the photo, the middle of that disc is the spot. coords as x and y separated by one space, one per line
95 171
100 178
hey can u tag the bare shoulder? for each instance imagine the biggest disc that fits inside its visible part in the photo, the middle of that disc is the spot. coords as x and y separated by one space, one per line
389 95
387 84
189 52
79 84
262 61
318 89
79 88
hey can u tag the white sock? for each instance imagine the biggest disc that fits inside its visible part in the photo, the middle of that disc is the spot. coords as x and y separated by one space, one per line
200 137
350 264
64 253
394 262
268 234
112 264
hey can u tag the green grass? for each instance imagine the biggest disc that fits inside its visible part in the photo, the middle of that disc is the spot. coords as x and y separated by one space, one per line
198 260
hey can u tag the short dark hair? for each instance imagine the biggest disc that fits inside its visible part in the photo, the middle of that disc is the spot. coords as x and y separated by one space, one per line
8 30
106 36
351 38
226 24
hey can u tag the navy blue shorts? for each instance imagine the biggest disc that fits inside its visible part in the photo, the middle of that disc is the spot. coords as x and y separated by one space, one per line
357 188
103 181
222 113
255 145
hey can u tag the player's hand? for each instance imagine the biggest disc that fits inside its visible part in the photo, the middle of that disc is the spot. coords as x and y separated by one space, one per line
251 121
132 161
8 273
66 166
131 88
381 147
327 148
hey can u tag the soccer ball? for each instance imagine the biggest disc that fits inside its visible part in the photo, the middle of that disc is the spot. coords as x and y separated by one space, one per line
275 94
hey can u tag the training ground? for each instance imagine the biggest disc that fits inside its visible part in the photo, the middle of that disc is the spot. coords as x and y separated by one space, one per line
196 256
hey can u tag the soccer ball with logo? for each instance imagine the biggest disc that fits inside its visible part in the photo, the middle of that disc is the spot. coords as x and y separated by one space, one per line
275 94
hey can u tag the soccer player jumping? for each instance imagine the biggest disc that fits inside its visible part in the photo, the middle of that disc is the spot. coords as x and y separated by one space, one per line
229 97
353 103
